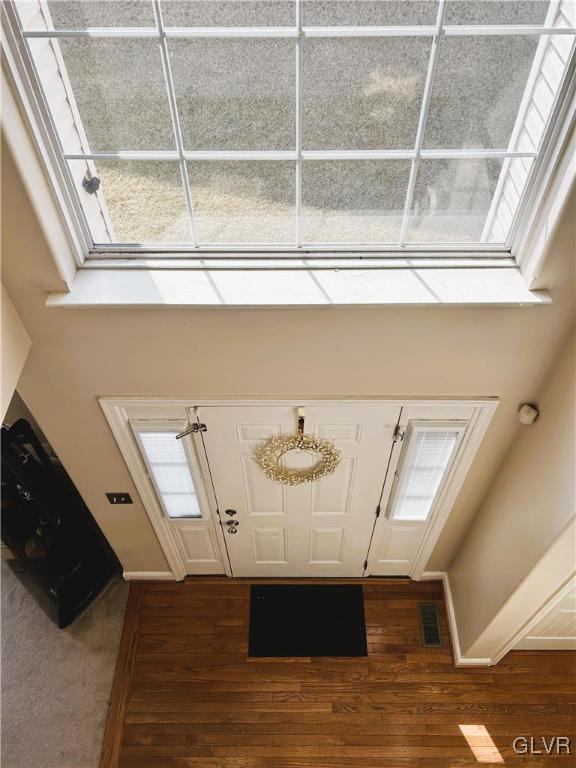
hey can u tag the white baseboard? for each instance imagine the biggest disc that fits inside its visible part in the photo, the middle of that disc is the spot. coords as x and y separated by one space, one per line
149 576
459 659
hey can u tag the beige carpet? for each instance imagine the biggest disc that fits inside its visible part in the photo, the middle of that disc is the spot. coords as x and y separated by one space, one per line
56 683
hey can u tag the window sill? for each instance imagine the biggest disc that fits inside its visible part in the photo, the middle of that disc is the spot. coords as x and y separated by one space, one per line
290 287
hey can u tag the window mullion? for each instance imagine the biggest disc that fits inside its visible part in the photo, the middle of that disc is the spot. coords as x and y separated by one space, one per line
422 119
327 154
455 30
175 121
298 95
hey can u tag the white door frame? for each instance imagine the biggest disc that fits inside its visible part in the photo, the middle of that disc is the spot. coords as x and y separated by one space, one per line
477 416
467 451
120 411
177 529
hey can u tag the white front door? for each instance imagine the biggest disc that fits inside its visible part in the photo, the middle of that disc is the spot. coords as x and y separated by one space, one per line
317 529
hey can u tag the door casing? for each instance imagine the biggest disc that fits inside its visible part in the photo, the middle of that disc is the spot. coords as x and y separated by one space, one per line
121 411
194 538
421 537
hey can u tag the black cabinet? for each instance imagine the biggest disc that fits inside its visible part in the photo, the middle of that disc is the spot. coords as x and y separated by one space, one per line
47 526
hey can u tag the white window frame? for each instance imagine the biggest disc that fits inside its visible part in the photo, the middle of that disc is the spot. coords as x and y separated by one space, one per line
139 426
550 188
414 427
445 255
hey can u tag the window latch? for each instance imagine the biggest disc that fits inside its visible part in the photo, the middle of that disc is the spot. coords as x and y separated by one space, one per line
192 429
399 434
91 184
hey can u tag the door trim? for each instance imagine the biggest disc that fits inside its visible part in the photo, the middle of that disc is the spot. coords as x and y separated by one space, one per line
477 417
120 411
467 451
118 418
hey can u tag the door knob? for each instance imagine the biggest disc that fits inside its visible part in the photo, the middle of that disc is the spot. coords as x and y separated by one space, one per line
230 512
232 530
232 523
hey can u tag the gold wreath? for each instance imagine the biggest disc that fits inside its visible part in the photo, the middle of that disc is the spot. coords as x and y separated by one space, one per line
269 454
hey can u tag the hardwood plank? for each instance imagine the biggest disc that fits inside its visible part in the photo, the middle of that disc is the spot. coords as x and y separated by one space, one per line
187 695
122 678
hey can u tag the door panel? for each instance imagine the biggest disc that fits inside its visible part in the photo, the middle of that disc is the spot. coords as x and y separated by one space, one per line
268 545
320 528
397 549
327 545
332 495
198 547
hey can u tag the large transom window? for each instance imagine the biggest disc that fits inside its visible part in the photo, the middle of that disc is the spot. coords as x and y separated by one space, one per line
314 125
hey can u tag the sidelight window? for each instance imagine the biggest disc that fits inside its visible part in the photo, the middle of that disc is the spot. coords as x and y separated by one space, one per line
169 470
428 453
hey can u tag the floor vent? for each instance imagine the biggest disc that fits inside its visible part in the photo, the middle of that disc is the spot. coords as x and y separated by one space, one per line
430 625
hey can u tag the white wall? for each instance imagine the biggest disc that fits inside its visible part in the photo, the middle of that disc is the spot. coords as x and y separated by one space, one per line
78 355
15 349
521 548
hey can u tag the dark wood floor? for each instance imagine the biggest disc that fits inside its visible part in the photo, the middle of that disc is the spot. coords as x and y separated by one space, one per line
187 696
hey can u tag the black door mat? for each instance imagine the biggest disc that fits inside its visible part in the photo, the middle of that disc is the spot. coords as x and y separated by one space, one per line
302 620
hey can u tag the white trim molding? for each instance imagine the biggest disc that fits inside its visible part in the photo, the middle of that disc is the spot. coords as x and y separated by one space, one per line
119 424
459 659
543 587
120 412
235 287
554 194
148 576
37 155
566 589
540 113
467 450
41 193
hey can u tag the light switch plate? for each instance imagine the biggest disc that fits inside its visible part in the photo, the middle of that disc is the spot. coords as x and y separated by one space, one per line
119 498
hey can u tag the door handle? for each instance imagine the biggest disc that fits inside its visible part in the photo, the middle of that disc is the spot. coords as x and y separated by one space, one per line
230 512
232 524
